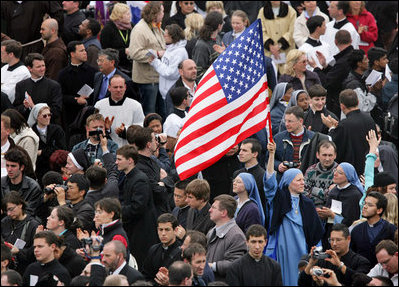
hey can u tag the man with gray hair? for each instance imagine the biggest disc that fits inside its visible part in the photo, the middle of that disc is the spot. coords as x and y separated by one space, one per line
55 51
107 61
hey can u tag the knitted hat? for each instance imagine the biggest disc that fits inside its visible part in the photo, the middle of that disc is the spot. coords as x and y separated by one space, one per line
79 158
383 179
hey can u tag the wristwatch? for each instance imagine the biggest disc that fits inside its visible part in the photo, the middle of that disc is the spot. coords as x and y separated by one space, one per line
341 265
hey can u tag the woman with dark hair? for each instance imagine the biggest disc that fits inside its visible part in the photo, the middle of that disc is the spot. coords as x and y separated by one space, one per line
51 136
183 8
204 53
57 162
22 134
278 21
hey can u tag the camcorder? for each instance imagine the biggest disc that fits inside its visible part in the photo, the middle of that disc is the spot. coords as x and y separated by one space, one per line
290 164
319 272
319 254
48 190
96 133
89 241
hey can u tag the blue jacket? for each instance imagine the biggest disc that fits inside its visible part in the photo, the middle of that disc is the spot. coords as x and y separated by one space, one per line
389 90
285 147
112 147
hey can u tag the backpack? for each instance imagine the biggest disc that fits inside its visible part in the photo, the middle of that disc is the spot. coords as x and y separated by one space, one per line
391 118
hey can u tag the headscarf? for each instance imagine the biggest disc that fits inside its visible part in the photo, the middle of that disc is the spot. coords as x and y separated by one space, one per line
253 192
35 112
294 98
351 175
278 93
288 177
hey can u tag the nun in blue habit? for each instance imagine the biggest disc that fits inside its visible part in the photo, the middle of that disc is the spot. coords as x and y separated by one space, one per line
249 206
295 226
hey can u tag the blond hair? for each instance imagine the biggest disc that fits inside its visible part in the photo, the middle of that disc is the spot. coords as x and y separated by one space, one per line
242 15
118 11
212 4
391 212
194 23
292 58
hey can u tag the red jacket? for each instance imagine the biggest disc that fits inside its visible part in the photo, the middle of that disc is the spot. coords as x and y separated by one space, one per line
365 18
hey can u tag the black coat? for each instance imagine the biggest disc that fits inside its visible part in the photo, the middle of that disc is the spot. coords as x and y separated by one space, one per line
333 76
311 78
72 79
313 120
138 214
110 38
41 270
43 91
55 140
200 221
245 271
99 273
350 139
84 211
11 230
131 88
73 262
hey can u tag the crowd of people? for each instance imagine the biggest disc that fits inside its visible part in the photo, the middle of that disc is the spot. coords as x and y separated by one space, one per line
92 108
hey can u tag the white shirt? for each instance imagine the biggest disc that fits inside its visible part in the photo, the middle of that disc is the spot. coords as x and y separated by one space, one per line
119 269
379 271
9 79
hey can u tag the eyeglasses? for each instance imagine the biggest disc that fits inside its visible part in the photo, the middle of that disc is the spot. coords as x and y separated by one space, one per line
188 3
11 209
338 171
46 115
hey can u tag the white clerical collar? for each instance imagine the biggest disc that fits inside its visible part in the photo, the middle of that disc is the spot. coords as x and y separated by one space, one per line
36 80
76 65
345 186
119 269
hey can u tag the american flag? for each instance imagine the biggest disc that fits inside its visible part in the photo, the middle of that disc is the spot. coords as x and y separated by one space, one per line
229 105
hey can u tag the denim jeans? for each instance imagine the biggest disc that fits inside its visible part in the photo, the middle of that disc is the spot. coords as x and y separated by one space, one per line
149 97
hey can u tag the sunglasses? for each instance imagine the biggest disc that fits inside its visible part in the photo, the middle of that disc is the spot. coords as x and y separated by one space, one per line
188 3
46 115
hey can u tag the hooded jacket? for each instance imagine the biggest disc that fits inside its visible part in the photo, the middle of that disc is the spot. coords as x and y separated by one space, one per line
29 140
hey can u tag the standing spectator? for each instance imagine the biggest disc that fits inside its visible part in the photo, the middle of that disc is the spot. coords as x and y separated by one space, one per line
245 271
366 235
180 274
387 257
239 21
14 70
226 241
167 67
198 192
115 105
390 88
301 30
89 30
218 6
72 78
338 11
55 52
317 107
23 21
250 8
391 213
195 255
108 60
72 19
138 211
278 20
166 252
23 135
6 141
51 137
181 207
194 23
45 245
77 162
249 207
332 77
278 104
204 53
38 89
319 177
288 239
350 134
183 8
296 73
116 34
68 257
364 23
147 35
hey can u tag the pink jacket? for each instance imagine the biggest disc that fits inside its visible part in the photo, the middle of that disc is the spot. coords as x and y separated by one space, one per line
365 18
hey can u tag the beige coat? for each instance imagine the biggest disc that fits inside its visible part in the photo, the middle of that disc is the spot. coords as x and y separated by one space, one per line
142 38
301 32
277 28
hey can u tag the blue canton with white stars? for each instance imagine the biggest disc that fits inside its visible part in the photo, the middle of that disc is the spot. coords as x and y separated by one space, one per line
242 64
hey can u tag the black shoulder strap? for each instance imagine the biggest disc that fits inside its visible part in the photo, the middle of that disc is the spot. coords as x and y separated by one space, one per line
23 234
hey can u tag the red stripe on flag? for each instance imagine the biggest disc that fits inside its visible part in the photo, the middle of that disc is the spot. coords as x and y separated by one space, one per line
206 79
221 138
217 122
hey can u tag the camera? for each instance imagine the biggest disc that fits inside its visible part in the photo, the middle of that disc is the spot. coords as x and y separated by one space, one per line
89 241
96 133
319 254
48 190
319 272
290 164
159 140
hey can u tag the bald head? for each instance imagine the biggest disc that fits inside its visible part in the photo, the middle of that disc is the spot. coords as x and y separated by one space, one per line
49 30
188 70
